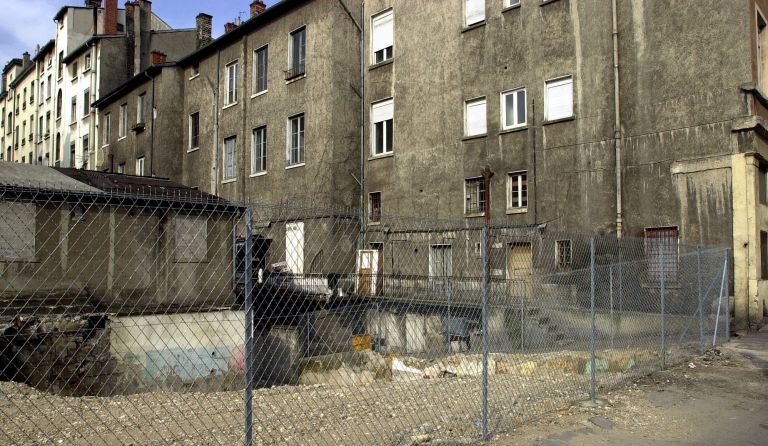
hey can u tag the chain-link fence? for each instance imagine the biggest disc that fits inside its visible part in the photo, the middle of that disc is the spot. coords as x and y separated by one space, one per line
144 317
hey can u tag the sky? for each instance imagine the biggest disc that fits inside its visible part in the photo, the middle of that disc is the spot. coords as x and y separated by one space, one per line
24 24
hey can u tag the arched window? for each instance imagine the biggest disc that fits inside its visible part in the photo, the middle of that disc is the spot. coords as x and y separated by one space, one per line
59 103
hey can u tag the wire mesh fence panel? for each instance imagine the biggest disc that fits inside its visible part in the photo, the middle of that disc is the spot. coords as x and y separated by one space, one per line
146 318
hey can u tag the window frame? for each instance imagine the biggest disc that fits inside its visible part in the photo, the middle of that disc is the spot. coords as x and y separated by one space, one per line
224 159
467 22
73 110
374 129
259 72
140 161
86 102
388 52
467 104
555 82
301 149
107 128
297 68
230 98
259 155
515 108
141 105
373 216
482 196
122 129
191 146
559 259
522 193
654 275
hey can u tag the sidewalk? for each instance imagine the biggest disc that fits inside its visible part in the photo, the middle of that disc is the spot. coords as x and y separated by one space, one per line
720 398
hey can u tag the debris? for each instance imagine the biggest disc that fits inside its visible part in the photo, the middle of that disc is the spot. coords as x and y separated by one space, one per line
601 422
691 365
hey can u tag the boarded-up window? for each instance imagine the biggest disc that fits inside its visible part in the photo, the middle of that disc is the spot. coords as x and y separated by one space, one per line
191 238
17 232
661 253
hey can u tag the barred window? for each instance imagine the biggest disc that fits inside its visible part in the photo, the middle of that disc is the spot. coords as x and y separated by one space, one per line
474 195
191 238
563 253
661 253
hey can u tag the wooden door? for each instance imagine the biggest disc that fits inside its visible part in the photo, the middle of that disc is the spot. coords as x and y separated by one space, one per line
519 268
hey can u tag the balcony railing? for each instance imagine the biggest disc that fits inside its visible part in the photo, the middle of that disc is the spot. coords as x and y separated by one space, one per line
295 71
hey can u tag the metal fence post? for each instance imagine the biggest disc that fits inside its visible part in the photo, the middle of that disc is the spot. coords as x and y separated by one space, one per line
727 300
720 299
663 321
248 327
486 284
701 309
522 323
593 386
610 298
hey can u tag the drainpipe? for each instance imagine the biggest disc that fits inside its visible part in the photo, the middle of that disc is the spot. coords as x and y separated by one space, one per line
617 121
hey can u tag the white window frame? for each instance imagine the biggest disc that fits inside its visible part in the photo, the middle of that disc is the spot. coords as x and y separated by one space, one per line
480 190
384 20
513 177
122 126
302 62
121 168
192 147
140 165
467 106
516 123
511 3
73 110
386 111
140 106
225 177
231 83
257 71
259 151
301 140
557 82
107 127
477 17
86 102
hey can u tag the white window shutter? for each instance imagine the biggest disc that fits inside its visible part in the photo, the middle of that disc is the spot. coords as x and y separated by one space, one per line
383 31
560 99
475 11
476 118
383 111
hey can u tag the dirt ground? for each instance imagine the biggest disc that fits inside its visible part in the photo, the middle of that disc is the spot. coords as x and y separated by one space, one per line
718 399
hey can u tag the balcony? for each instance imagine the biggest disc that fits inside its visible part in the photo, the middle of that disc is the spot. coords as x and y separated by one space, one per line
295 71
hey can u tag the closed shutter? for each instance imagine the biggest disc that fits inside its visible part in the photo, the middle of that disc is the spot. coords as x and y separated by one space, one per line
383 111
383 31
476 118
475 11
559 99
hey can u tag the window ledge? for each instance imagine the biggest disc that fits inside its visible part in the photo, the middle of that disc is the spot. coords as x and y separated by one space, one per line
383 155
475 215
193 149
230 180
513 129
510 8
512 211
295 79
194 77
470 138
479 24
122 138
389 61
293 166
255 95
229 105
374 223
546 2
555 121
258 174
104 146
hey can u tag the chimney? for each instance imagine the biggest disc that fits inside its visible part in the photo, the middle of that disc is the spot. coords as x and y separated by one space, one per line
110 17
158 57
93 3
229 27
130 34
204 28
257 7
26 60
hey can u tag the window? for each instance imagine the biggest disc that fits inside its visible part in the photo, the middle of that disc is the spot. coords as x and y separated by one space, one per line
121 168
762 186
140 166
74 70
72 148
87 62
194 131
17 231
298 53
31 92
513 109
107 129
140 108
475 117
260 70
40 128
762 48
195 70
231 84
59 104
191 238
42 91
73 110
474 195
374 206
563 253
47 124
259 150
230 158
661 253
517 190
382 38
58 148
558 101
48 87
296 140
86 102
763 255
474 11
382 116
122 128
